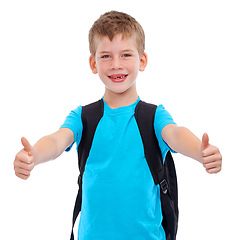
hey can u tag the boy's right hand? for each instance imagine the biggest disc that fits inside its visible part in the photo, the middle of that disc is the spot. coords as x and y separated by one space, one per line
25 160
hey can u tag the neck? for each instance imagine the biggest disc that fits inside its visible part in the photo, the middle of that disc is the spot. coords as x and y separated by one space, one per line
116 100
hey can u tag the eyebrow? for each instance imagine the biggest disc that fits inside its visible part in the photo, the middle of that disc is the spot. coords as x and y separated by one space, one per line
103 52
126 50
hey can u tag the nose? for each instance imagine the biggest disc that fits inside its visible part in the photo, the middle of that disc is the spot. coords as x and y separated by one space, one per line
116 63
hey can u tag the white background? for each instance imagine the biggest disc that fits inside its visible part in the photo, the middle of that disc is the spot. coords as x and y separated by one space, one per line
194 71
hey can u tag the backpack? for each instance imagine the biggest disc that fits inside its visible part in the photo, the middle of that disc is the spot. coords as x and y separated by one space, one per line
163 175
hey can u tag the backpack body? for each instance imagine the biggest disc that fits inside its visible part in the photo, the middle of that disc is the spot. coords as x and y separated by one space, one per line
163 172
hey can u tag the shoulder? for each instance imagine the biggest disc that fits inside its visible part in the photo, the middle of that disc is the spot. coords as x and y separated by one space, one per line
74 117
162 118
145 109
149 109
77 111
162 113
73 120
93 108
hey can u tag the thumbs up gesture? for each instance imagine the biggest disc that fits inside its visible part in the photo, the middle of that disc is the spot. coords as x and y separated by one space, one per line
211 156
25 160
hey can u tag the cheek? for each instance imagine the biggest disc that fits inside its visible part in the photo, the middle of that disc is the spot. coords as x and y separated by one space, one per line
102 67
134 67
102 71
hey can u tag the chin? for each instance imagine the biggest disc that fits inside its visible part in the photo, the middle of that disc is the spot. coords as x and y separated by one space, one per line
117 91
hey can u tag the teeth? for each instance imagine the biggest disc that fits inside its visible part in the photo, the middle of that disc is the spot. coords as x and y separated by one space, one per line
119 77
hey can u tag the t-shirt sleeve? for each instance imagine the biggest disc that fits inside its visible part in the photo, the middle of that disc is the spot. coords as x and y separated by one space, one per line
74 123
162 119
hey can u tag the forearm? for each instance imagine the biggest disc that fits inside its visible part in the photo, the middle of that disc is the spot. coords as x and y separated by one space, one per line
52 146
46 149
182 140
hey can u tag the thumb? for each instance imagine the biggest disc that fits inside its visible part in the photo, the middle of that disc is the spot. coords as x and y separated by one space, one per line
205 141
27 146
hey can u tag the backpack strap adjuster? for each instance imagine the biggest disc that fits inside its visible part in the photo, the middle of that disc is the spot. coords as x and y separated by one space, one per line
164 186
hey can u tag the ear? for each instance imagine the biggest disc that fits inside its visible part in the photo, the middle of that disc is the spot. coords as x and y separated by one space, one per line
143 62
93 64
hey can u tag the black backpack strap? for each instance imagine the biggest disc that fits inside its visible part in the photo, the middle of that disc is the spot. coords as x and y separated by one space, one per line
91 115
144 115
163 174
169 201
77 209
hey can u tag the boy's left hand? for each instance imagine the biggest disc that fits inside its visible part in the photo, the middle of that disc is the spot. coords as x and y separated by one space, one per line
211 156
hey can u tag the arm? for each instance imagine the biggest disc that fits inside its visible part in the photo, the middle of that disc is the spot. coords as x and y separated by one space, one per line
182 140
52 146
47 148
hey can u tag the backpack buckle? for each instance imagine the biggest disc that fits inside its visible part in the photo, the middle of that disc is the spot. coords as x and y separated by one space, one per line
164 186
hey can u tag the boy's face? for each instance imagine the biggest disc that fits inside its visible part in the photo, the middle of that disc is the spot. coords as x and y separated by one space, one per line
117 62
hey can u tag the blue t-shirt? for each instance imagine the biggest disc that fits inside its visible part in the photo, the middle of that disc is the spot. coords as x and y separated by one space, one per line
119 197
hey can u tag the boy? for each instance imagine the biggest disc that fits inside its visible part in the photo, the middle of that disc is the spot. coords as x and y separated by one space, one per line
119 197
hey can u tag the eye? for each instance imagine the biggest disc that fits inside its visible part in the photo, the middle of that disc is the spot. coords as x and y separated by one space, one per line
126 55
105 56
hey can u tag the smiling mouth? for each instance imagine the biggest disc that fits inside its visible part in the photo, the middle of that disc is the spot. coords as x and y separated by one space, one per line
118 77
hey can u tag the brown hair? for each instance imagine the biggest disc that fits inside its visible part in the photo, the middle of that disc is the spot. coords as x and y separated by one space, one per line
112 23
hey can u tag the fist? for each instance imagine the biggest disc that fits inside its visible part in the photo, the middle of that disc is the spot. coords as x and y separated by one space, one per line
211 156
25 160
